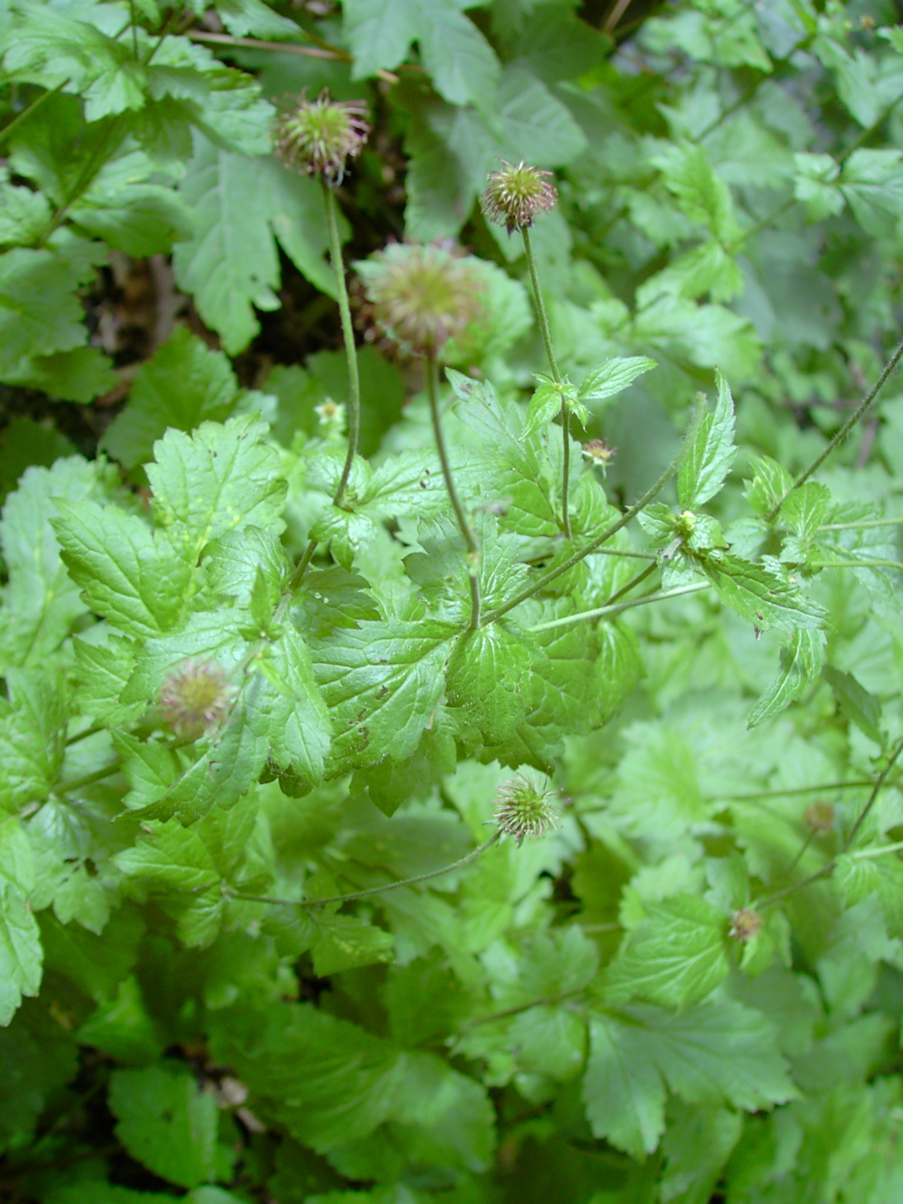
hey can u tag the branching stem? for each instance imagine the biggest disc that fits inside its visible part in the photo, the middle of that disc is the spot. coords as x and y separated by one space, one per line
602 611
373 890
553 574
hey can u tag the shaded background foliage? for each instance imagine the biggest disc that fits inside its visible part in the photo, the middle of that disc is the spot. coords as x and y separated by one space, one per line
577 1017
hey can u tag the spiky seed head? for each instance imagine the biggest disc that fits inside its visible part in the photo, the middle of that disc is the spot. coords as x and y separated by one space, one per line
745 924
420 297
515 195
195 697
819 816
317 137
526 805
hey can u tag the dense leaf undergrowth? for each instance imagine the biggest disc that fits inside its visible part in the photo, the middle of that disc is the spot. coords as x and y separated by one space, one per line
510 817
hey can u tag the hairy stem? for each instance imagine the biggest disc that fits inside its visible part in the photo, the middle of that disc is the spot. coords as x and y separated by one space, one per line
354 388
556 376
553 574
473 551
374 890
354 380
861 409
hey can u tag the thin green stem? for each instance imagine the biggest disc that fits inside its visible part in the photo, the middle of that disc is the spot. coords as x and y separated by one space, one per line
354 390
553 574
601 611
89 731
854 832
789 792
864 854
556 376
879 782
854 564
801 852
134 24
632 584
517 1008
473 551
753 796
88 779
373 890
354 381
862 526
861 409
85 177
9 129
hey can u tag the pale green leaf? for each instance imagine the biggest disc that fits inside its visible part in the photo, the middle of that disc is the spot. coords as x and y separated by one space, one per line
461 63
231 265
21 958
171 856
39 312
710 451
126 575
221 478
343 942
870 182
760 595
244 17
166 1122
181 385
40 601
381 682
139 219
801 657
489 683
226 770
379 32
675 956
717 1051
816 185
855 701
622 1090
288 709
77 375
612 376
349 1079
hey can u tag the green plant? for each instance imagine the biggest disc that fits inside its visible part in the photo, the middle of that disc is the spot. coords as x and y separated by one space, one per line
276 920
